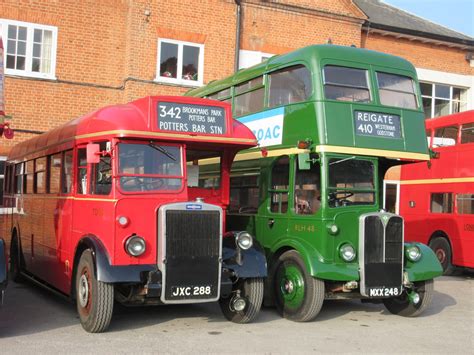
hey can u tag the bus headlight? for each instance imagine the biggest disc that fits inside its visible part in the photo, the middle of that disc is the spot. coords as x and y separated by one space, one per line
244 240
135 245
347 252
413 253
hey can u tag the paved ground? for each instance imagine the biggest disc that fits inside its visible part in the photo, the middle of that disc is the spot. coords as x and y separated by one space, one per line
35 321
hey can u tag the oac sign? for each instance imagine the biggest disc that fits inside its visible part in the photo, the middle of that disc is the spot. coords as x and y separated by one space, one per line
267 126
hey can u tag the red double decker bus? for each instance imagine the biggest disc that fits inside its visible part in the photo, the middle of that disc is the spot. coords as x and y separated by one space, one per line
117 203
436 199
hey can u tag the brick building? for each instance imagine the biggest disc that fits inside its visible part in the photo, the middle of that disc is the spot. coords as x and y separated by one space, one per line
65 58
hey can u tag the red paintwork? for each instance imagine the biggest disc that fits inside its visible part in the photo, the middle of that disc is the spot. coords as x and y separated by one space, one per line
455 161
51 225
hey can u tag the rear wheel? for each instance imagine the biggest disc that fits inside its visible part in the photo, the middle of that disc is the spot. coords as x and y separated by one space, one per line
298 295
16 264
442 249
405 307
251 290
94 299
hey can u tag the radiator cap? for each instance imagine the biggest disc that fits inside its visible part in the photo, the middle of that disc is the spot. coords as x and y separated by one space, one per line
199 200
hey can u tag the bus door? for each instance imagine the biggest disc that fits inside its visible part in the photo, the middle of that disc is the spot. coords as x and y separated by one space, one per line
305 224
273 223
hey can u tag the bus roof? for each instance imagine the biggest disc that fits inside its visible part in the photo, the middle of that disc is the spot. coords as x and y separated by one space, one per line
454 119
307 54
138 119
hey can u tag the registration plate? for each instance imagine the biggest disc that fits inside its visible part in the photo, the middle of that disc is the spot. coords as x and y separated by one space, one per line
189 291
384 292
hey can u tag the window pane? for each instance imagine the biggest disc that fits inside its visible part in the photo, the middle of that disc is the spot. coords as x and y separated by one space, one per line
21 50
67 172
10 62
20 63
244 194
442 91
21 33
35 65
426 89
249 85
101 174
249 102
81 171
465 203
345 76
38 34
36 50
395 82
342 93
279 185
11 47
168 60
441 107
459 94
12 31
190 62
445 136
427 106
459 106
308 190
54 174
467 133
204 169
289 85
398 99
441 203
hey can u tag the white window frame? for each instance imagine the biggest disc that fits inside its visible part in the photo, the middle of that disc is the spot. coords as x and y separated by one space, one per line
30 27
397 201
433 97
2 175
179 69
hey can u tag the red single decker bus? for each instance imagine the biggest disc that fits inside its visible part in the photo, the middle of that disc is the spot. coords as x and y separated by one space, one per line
437 198
116 204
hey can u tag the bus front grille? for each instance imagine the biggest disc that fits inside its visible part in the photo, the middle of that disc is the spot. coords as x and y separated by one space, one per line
380 253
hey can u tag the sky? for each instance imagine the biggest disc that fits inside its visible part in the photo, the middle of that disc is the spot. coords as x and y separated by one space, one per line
457 15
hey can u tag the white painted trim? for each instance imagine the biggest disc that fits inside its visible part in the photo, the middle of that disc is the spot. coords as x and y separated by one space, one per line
179 64
29 48
249 58
397 202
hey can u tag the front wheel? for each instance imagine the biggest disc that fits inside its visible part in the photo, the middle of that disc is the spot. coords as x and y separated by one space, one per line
94 299
405 307
298 295
251 290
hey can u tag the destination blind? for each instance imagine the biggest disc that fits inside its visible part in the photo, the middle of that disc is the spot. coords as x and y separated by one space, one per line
191 118
377 124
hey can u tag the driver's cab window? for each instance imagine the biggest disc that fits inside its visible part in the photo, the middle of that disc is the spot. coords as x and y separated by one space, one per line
280 180
308 189
81 163
101 173
203 169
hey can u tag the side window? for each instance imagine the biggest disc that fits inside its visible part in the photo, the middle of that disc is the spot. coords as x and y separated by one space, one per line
203 169
249 96
279 185
244 194
308 190
428 137
442 202
101 174
289 85
346 84
54 178
66 172
30 171
465 203
467 133
396 90
40 175
19 178
81 171
221 95
445 136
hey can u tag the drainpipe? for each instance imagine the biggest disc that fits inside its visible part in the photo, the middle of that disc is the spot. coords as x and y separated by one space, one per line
237 35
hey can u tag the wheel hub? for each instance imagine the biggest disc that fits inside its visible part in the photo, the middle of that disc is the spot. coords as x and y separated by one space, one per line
288 286
83 291
441 255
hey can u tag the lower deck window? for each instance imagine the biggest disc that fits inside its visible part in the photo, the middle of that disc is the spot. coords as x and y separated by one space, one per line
244 194
442 202
465 203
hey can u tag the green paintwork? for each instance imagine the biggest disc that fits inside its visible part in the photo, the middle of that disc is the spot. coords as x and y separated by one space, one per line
426 268
326 122
292 286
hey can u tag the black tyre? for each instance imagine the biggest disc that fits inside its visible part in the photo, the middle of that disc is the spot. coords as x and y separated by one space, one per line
298 295
402 306
252 291
442 249
94 299
16 260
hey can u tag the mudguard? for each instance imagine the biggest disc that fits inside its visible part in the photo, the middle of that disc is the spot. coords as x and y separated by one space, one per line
105 272
428 267
244 263
3 267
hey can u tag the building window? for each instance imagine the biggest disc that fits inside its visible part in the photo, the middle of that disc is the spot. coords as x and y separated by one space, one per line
441 100
2 177
30 49
250 58
180 62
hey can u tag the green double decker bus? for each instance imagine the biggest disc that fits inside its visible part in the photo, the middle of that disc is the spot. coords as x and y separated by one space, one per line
330 122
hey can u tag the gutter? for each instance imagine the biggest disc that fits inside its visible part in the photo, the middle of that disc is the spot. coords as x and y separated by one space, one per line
237 35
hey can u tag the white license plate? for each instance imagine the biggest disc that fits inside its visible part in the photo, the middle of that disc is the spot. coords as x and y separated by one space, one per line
188 291
384 292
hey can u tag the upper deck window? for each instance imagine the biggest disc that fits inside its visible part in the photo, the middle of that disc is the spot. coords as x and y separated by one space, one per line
396 90
346 84
467 133
180 62
249 97
30 48
289 85
445 136
150 167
